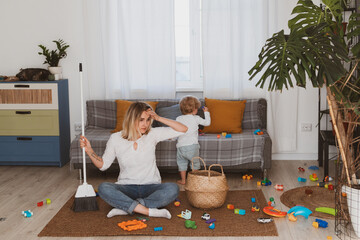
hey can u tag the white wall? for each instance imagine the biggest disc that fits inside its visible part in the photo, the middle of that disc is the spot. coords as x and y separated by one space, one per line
25 24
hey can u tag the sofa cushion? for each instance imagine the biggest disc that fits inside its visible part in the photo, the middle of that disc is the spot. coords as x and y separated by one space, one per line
101 114
121 107
226 116
171 112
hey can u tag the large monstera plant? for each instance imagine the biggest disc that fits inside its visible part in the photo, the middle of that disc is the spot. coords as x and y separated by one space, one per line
318 49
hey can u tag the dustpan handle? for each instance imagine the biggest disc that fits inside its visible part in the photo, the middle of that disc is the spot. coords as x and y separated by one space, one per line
192 162
216 164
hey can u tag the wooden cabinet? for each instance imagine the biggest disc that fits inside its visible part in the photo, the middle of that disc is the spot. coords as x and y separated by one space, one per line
34 123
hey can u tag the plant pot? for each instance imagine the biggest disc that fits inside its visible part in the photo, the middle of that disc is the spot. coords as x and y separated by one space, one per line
353 202
56 71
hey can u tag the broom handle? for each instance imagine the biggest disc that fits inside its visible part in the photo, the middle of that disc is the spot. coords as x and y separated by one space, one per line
82 120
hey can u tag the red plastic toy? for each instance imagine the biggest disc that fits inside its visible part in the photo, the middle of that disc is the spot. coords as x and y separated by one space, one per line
39 204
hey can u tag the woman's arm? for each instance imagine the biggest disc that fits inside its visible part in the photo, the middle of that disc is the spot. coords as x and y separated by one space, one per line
179 127
96 160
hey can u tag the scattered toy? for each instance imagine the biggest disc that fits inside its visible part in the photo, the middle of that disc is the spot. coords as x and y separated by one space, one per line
253 200
321 184
327 179
205 216
210 220
279 187
258 132
158 229
223 134
259 183
327 210
265 220
230 206
301 169
218 136
273 212
255 208
190 224
177 202
185 214
292 217
212 226
343 194
39 204
228 135
132 225
48 201
300 210
247 177
266 182
313 168
331 187
27 213
313 177
300 179
143 219
320 223
239 211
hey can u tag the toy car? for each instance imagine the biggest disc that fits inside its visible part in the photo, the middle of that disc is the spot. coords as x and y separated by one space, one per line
265 220
205 216
301 169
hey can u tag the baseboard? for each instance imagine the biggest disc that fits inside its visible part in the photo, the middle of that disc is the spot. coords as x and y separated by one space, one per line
298 156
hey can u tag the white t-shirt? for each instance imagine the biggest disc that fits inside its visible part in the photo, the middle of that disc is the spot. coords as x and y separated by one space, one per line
136 166
192 122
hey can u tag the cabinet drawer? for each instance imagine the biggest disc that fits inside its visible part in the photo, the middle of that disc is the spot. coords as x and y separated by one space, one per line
28 96
29 122
29 150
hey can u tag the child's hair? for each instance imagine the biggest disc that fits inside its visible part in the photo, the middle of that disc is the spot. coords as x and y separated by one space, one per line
188 104
132 116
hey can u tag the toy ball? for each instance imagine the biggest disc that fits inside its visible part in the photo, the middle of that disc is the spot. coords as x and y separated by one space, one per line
218 136
212 226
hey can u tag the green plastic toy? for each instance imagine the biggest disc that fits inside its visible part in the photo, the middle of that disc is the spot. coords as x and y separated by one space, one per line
190 224
327 210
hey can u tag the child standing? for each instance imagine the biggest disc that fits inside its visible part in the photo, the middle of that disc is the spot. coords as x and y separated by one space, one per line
188 145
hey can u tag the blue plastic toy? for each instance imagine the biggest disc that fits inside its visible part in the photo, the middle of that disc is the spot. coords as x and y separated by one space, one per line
212 226
321 223
158 229
314 168
228 135
300 179
300 210
253 200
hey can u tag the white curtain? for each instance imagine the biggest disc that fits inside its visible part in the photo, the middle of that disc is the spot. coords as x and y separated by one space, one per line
233 32
129 48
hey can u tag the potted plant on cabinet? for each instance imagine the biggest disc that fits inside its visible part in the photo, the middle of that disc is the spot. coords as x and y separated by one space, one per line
318 49
53 57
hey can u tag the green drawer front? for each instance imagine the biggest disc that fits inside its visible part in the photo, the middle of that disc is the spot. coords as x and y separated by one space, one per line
29 122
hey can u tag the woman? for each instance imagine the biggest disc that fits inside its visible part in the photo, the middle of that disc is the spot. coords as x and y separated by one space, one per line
139 188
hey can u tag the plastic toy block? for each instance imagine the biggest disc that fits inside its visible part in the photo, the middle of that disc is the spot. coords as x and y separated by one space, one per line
239 211
210 220
223 134
321 184
230 206
190 224
279 187
48 201
258 132
228 135
300 179
27 213
255 208
331 187
320 223
158 229
218 136
212 226
39 204
253 200
258 183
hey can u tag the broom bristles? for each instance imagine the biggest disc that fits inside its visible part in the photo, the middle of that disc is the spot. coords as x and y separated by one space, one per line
84 204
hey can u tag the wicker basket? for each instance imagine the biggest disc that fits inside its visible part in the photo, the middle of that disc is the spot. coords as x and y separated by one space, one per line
206 188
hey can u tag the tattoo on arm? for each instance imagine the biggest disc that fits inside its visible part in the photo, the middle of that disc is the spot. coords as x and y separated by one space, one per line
96 157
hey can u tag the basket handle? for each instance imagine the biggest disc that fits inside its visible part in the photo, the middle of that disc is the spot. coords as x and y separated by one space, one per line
192 162
216 164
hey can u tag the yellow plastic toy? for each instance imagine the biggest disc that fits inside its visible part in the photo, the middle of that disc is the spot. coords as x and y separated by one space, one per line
132 225
313 177
292 217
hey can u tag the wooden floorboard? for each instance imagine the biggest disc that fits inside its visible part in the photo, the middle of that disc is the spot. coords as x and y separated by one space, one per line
23 186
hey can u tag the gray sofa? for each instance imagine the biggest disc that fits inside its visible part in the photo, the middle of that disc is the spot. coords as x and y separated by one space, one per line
240 152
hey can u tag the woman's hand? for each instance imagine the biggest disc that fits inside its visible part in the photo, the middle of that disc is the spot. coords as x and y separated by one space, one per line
84 143
152 114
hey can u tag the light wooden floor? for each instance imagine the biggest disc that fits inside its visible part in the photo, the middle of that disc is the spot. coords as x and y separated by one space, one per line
22 187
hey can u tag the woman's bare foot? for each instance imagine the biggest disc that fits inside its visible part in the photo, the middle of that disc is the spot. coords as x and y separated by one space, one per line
181 182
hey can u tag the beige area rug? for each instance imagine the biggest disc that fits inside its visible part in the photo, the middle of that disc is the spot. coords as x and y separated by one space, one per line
67 223
321 197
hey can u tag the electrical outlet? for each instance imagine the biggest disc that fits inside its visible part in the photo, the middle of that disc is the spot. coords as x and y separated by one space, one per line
306 127
77 127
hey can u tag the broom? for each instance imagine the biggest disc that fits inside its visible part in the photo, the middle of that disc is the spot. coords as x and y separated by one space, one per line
85 197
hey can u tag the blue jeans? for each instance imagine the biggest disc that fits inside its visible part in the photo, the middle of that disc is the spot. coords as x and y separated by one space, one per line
126 197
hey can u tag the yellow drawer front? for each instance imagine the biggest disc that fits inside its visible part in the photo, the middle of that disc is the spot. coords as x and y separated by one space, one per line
29 122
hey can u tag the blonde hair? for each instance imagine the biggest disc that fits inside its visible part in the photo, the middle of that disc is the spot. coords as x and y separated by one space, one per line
188 104
130 124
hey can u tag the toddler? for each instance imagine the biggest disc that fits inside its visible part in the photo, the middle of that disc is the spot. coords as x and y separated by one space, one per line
188 145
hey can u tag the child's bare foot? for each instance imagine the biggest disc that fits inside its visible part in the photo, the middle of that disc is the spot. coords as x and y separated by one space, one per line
181 182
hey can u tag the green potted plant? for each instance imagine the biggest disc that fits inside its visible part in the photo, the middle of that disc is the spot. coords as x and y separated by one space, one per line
318 49
53 57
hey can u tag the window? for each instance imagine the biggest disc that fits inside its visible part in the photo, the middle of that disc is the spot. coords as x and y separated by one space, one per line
188 47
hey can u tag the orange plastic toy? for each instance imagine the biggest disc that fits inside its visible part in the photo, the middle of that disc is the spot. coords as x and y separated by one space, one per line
132 225
274 212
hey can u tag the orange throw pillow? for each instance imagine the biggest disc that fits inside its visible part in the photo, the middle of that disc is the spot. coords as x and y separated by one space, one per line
226 116
121 108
